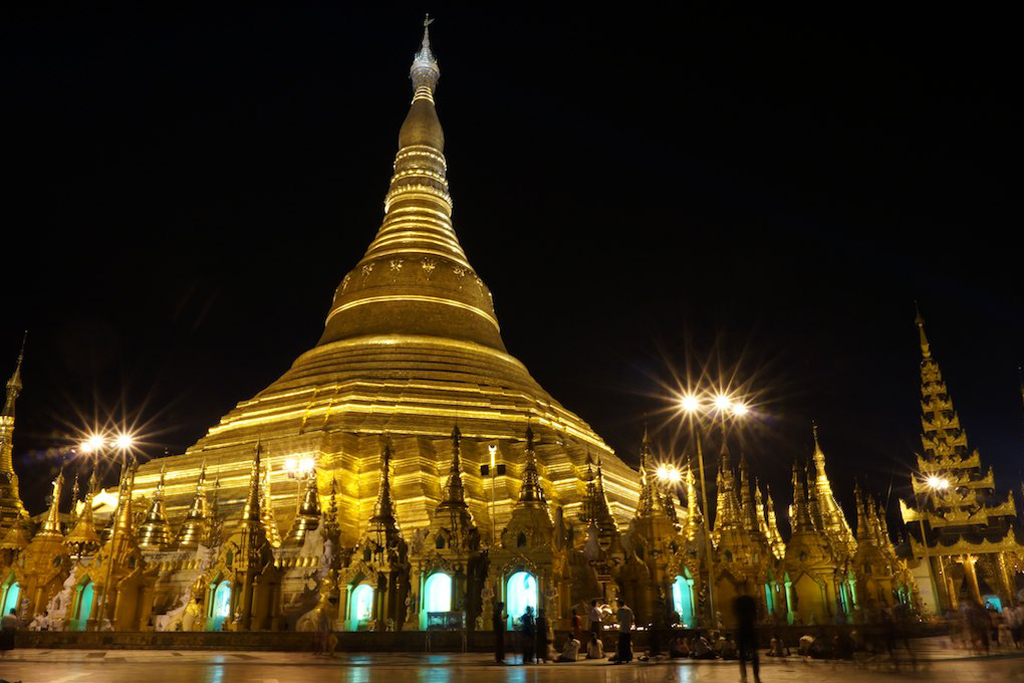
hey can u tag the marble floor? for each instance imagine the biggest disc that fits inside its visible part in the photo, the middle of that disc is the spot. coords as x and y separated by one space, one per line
149 666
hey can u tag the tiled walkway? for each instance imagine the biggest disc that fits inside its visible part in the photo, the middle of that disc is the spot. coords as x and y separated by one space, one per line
935 662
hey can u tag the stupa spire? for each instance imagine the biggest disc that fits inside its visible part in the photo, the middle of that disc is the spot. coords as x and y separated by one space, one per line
415 278
942 437
307 517
459 519
926 351
11 506
73 512
455 492
195 525
331 519
251 510
694 517
778 546
650 499
51 525
155 531
14 383
531 491
84 539
383 525
801 517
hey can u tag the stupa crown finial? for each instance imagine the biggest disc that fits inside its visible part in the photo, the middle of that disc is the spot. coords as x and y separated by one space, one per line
14 383
926 351
424 71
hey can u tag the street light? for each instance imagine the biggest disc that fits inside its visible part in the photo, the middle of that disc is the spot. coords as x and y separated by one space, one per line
933 483
299 469
693 407
95 444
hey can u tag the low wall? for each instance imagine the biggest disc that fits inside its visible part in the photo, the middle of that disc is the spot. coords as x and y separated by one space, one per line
362 641
286 641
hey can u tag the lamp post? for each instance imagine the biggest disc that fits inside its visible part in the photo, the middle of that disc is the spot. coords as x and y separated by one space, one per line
300 470
493 450
933 484
97 444
694 407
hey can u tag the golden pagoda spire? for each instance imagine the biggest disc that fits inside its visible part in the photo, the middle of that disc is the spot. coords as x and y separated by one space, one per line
84 539
125 521
73 512
250 534
926 351
594 508
383 526
942 437
531 492
415 278
775 541
51 525
14 385
748 506
214 530
460 521
331 519
727 509
11 506
826 510
694 517
155 531
454 491
801 517
650 501
267 509
307 518
251 511
195 525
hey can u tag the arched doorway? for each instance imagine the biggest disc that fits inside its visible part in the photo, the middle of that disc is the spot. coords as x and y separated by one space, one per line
437 598
682 599
520 593
82 607
361 609
439 592
219 606
9 594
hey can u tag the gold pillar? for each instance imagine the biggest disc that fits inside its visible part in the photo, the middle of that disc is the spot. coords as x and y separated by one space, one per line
968 561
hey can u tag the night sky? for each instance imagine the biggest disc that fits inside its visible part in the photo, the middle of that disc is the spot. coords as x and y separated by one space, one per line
761 197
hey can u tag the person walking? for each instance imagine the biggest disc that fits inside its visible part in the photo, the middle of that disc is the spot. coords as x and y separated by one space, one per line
745 608
624 616
545 637
498 624
8 627
529 632
577 625
595 615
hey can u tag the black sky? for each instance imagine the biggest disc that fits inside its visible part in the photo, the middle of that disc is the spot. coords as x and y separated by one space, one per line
642 192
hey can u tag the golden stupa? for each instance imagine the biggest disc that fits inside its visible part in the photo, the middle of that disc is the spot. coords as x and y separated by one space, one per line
411 346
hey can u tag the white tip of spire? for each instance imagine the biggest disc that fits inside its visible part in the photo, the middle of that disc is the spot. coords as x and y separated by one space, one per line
424 71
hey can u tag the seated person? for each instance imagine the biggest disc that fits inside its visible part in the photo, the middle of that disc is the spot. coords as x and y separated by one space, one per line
806 642
679 647
570 651
777 649
729 649
700 648
595 648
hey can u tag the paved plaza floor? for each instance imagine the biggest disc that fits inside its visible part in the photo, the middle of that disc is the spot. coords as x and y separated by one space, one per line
158 666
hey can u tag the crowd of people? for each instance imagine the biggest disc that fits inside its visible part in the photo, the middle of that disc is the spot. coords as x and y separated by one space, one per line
979 628
888 632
